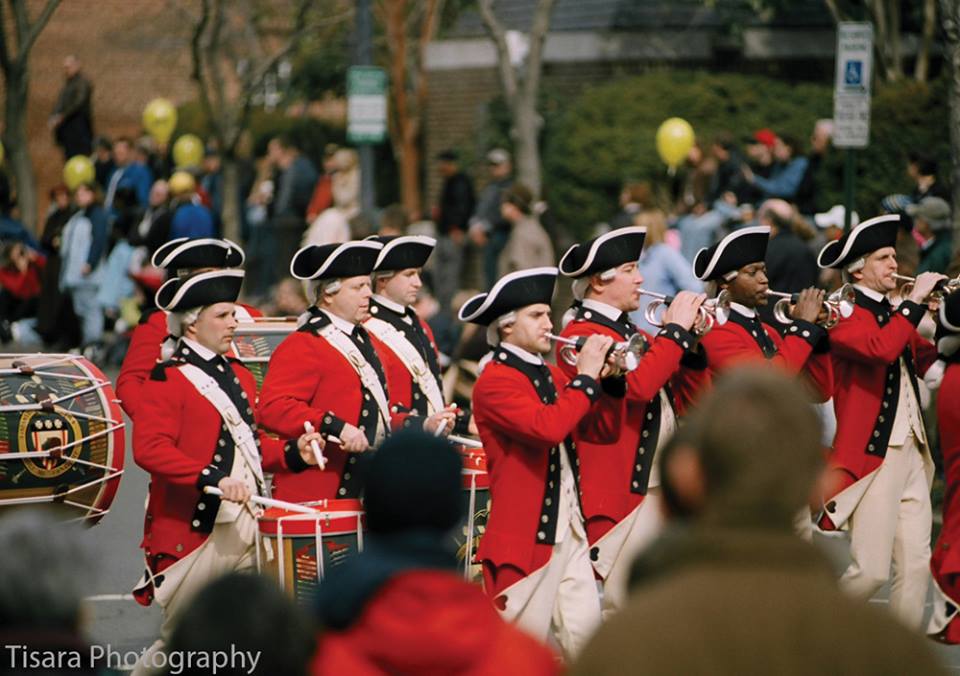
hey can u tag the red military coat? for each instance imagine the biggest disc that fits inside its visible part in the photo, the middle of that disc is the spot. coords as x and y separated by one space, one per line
310 380
177 440
804 349
520 432
866 348
403 391
613 486
432 623
143 354
945 560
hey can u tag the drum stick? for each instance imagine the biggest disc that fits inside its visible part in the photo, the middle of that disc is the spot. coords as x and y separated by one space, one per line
440 428
267 502
314 446
465 441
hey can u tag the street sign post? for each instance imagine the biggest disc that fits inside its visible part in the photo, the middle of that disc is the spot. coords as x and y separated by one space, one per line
366 105
851 98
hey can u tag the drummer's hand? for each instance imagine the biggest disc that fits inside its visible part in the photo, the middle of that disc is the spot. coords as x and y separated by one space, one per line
234 490
352 440
303 445
433 422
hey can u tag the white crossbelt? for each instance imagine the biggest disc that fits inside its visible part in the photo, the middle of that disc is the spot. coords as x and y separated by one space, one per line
411 358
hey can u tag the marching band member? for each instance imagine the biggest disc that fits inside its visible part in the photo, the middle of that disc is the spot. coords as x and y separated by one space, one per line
944 562
735 264
180 257
534 551
617 477
881 460
410 358
196 429
329 373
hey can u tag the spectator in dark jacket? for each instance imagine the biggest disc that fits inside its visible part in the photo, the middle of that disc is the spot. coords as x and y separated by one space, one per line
931 218
791 265
72 119
453 217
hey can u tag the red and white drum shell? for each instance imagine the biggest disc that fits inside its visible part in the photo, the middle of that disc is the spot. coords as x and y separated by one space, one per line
476 508
289 542
61 435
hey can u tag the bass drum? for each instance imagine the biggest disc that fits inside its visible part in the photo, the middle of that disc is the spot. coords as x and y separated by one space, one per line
61 434
476 509
255 340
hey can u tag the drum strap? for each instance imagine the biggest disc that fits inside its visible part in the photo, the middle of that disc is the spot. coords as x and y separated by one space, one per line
411 358
243 439
368 375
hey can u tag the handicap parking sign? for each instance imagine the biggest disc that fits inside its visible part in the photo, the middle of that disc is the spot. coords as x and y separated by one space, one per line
853 74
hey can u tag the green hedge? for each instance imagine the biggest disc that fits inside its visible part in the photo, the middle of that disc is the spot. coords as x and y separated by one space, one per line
606 135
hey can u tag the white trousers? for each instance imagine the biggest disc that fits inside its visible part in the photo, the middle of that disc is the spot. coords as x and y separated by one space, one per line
559 600
229 548
641 527
892 524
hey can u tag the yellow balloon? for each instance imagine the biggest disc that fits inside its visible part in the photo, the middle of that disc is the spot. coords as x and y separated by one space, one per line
160 119
188 151
674 140
78 170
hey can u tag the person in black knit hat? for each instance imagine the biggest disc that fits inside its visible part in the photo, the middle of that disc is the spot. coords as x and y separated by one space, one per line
401 607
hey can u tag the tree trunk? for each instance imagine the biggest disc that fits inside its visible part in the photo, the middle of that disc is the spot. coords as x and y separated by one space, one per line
15 142
526 138
410 174
894 39
922 67
231 197
950 13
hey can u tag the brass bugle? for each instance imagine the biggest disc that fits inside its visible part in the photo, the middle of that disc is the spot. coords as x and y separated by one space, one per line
838 305
712 312
943 287
627 353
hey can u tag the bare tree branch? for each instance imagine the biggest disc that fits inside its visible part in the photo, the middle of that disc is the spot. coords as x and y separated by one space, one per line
922 66
538 36
4 48
37 27
835 12
508 78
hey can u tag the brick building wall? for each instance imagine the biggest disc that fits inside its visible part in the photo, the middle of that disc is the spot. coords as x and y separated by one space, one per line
132 51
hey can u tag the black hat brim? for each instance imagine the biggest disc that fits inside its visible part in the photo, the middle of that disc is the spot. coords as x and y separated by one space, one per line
200 290
867 237
512 292
608 251
739 248
335 261
403 252
191 254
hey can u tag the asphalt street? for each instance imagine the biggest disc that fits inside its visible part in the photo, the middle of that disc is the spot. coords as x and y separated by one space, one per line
122 625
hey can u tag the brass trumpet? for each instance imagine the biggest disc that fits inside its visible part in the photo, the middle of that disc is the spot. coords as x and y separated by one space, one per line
838 305
943 287
626 353
713 311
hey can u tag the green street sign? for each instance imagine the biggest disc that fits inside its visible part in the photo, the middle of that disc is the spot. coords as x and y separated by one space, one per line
366 105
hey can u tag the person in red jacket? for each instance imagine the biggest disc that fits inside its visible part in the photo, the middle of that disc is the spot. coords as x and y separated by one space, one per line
531 417
735 265
411 359
196 430
401 607
620 484
329 373
880 461
179 257
945 562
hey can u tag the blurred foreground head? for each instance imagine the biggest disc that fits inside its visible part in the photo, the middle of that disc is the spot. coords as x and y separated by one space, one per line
749 454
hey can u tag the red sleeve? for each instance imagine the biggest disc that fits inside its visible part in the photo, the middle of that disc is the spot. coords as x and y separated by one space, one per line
139 361
513 408
289 387
727 345
925 353
859 338
820 374
156 436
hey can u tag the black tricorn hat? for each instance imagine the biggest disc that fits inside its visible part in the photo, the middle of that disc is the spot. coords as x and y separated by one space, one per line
199 290
741 247
333 261
602 253
867 237
512 292
191 254
401 252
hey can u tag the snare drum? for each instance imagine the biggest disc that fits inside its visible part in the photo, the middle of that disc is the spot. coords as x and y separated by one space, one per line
61 434
288 542
255 340
476 501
